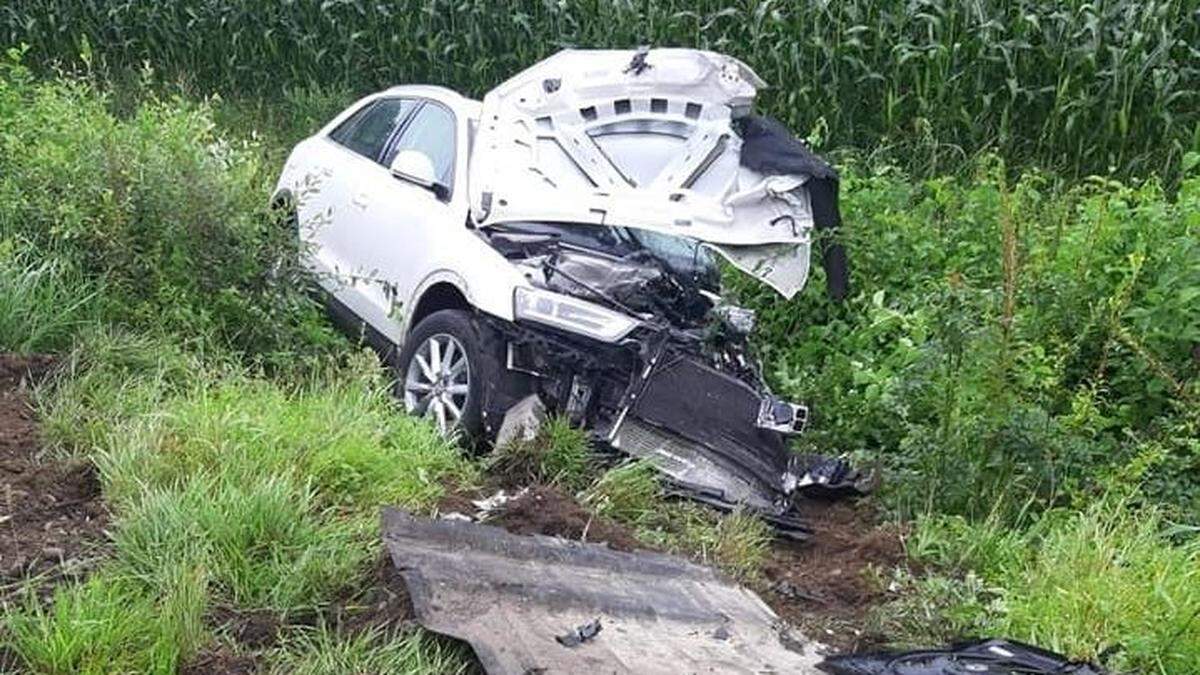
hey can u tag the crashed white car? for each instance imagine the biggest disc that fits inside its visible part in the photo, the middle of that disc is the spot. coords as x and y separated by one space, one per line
557 247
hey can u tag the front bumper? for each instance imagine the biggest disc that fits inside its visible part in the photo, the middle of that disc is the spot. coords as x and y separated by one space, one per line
704 430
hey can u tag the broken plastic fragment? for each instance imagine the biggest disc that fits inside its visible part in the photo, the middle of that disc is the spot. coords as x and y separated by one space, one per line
830 478
580 634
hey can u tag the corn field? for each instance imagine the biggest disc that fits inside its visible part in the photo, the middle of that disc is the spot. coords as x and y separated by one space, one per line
1072 85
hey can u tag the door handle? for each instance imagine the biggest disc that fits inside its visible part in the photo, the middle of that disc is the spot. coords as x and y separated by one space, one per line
360 200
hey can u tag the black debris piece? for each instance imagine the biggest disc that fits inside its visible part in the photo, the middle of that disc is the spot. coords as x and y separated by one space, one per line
830 478
580 634
638 65
982 657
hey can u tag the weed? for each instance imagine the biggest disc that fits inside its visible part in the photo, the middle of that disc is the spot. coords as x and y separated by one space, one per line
321 651
111 624
559 454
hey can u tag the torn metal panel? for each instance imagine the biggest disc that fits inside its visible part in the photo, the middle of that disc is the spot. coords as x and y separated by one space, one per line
512 598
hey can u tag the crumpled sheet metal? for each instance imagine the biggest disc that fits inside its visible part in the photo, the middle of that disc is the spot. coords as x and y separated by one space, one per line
509 596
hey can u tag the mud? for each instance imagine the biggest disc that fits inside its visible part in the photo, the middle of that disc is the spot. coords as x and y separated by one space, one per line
828 584
52 519
547 510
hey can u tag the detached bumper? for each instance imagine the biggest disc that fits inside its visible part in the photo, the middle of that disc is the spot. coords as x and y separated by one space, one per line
704 429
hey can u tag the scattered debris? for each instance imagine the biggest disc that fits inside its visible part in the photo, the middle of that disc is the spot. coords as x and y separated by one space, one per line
982 657
831 478
581 634
661 613
489 505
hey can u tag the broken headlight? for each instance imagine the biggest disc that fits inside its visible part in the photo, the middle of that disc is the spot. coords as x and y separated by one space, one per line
571 314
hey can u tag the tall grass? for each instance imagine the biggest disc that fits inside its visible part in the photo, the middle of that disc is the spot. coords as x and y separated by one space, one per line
226 489
1076 85
1104 579
42 303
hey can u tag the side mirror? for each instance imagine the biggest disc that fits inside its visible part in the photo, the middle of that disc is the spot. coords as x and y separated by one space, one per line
416 167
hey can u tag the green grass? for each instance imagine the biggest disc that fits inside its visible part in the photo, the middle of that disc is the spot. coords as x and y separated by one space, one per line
111 624
1079 582
28 289
559 454
631 494
1075 85
270 493
320 651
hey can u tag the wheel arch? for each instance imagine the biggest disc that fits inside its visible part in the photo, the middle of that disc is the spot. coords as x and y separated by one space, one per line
437 296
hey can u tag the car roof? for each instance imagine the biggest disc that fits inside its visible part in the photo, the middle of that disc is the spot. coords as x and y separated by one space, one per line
468 106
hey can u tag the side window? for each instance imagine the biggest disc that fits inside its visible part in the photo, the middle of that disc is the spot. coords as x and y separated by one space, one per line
431 132
367 130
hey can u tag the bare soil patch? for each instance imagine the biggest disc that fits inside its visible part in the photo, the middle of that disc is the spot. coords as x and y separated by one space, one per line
547 510
52 519
827 585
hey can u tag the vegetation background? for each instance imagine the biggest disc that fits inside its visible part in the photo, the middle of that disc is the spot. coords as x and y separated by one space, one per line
1020 351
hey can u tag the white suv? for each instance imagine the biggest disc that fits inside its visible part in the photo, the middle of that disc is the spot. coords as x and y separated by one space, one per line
557 247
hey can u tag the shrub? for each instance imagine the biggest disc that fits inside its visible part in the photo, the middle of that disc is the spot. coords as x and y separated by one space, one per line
164 216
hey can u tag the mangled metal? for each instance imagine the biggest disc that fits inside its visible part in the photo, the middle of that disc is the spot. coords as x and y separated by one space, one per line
584 138
620 186
532 604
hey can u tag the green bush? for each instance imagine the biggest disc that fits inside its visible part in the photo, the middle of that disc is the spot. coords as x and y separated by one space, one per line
1003 339
164 216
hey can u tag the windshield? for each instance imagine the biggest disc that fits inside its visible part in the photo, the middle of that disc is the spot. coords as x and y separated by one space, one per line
683 255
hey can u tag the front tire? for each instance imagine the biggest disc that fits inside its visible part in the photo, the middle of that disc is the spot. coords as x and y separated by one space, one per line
440 373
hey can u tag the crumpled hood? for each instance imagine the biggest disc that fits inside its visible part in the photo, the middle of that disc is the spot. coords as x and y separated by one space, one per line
641 139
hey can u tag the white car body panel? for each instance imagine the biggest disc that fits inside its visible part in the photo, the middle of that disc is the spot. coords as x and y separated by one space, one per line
377 243
584 137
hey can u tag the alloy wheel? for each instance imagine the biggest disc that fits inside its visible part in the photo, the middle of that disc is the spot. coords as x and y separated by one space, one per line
438 381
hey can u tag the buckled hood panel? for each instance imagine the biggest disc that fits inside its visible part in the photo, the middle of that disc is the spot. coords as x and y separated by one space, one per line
643 140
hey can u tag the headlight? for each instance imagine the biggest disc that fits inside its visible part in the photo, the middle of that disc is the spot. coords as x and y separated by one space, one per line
571 314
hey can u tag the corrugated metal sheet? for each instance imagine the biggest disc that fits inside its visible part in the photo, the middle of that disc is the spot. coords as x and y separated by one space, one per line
509 596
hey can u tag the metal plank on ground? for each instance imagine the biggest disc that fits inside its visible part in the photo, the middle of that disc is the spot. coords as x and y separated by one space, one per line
510 596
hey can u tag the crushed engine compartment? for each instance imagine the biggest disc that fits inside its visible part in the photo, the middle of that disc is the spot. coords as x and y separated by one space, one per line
683 390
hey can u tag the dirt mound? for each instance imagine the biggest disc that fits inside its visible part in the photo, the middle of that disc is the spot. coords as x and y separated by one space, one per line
825 584
51 517
546 510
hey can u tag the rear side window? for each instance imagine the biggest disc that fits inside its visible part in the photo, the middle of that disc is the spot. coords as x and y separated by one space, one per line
367 130
431 132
